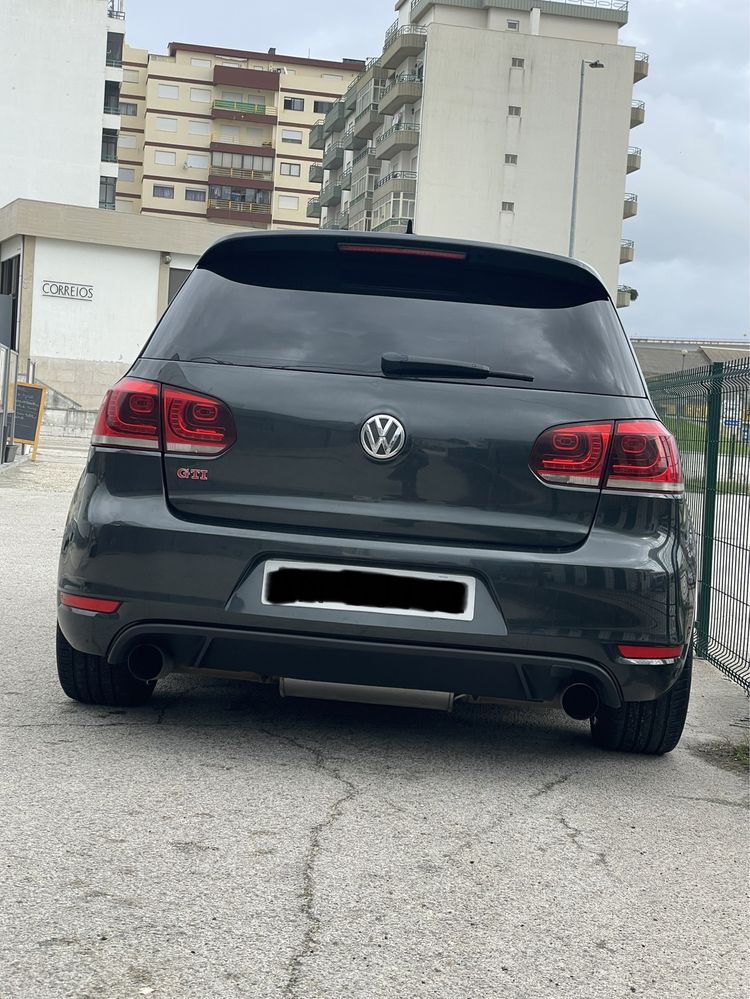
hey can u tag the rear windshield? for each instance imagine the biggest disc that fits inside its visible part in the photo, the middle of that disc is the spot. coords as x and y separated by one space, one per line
307 316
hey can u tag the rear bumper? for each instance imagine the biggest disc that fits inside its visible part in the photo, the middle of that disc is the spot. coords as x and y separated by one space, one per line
543 618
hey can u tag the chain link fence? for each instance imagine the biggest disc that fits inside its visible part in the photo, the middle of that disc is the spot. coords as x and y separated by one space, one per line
708 411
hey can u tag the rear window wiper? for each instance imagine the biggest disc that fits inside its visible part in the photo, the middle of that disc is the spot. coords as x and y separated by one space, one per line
395 365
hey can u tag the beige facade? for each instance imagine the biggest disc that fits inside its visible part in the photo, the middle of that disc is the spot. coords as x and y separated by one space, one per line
466 125
223 134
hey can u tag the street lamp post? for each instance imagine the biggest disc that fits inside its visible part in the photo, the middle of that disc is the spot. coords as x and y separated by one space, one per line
596 64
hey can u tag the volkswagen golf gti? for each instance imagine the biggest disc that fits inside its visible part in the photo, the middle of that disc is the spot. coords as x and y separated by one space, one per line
386 468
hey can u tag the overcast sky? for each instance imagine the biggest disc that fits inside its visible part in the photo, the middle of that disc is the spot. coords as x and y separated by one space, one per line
692 261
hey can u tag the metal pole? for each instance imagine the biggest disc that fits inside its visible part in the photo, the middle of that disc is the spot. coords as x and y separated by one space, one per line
574 205
713 433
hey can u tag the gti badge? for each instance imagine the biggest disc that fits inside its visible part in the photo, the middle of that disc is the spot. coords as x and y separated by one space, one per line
194 474
382 436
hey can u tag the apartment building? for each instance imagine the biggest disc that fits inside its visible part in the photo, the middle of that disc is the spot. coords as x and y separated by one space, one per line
222 134
60 63
467 123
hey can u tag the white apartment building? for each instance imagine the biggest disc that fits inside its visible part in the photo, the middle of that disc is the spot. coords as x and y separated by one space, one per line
59 61
467 124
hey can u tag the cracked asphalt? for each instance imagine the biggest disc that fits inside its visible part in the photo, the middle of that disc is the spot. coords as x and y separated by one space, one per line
223 842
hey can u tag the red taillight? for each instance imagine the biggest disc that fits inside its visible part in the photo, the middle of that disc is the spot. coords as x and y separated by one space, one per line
627 455
572 456
129 416
96 604
650 651
402 251
645 456
196 424
136 414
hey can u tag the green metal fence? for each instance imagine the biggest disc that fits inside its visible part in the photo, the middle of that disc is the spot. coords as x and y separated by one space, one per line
708 410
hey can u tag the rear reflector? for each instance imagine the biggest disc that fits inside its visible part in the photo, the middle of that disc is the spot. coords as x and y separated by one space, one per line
96 604
139 414
633 455
403 251
650 651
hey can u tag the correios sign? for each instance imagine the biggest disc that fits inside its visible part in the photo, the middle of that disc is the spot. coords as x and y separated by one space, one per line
61 289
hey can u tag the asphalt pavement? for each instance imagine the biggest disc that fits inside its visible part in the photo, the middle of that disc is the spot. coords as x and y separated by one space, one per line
224 842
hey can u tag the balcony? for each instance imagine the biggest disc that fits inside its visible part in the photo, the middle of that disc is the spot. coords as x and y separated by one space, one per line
317 139
340 221
627 251
368 121
346 179
114 63
334 120
263 178
630 207
393 225
405 89
401 44
239 111
352 141
637 113
397 139
374 70
634 159
640 69
333 157
315 173
350 97
114 9
330 195
313 208
361 204
365 160
625 295
397 182
251 213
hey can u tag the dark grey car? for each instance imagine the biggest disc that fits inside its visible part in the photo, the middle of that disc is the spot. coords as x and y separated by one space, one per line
386 468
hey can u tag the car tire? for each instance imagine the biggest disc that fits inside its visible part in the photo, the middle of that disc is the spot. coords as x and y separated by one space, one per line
92 680
651 727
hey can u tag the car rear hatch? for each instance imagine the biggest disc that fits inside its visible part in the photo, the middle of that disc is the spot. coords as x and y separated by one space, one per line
289 331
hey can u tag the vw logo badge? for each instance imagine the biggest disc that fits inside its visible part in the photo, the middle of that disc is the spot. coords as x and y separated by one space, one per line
382 436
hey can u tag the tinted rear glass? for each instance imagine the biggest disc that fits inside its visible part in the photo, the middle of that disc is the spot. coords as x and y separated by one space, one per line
325 313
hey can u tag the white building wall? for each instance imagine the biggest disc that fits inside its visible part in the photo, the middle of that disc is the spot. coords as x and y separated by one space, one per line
466 133
52 71
82 347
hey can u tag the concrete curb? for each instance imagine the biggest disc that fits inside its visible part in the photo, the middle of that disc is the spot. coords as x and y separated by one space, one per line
19 461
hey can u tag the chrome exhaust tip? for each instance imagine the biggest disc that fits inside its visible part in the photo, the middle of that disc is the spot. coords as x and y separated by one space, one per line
580 701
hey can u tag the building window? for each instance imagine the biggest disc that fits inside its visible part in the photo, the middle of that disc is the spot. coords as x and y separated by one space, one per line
199 127
115 41
161 191
199 96
127 109
194 194
130 76
127 174
10 279
241 195
291 135
111 97
240 161
231 96
331 76
229 133
166 124
169 91
294 104
322 107
165 157
289 169
289 202
204 63
517 63
513 25
109 145
508 206
127 141
511 158
107 193
197 161
514 112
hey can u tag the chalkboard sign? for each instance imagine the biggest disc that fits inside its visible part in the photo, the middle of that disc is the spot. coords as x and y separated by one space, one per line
29 408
